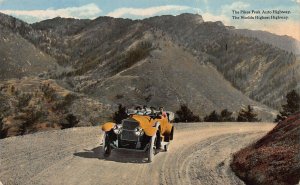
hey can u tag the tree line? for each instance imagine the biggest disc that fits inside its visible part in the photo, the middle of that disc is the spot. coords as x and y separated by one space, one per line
292 106
246 114
184 114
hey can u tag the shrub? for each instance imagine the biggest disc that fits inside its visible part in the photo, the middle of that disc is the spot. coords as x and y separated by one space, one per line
184 114
226 116
120 114
247 115
71 121
49 92
23 99
213 117
148 98
119 96
3 133
291 107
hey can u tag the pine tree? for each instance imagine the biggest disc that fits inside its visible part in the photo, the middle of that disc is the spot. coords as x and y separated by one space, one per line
226 116
213 117
184 114
120 114
291 107
247 115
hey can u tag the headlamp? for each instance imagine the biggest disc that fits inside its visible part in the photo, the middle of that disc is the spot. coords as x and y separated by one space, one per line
118 129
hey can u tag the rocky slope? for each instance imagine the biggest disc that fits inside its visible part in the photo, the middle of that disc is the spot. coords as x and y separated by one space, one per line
159 61
260 70
19 57
274 159
283 42
31 104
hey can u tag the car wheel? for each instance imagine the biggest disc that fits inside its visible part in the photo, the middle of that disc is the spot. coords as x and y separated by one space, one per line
151 150
106 146
158 141
166 147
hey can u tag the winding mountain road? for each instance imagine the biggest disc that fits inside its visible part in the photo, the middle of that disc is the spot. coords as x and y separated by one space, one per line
199 154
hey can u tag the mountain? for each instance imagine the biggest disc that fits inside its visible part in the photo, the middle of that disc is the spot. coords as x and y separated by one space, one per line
260 70
159 61
107 52
285 42
19 57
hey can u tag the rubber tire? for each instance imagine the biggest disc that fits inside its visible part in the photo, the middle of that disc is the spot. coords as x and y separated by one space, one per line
150 153
158 141
166 148
106 146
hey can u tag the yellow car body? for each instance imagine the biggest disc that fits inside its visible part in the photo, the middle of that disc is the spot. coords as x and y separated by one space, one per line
138 133
147 124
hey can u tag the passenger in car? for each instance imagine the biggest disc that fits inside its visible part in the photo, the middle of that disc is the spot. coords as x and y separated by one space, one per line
162 112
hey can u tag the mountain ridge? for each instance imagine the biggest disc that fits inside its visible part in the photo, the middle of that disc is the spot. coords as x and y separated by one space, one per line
97 57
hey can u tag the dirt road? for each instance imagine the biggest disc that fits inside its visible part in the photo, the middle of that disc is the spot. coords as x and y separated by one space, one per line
200 154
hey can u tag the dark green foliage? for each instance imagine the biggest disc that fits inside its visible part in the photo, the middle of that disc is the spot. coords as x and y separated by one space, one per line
184 114
2 132
120 114
148 98
71 121
23 99
226 116
59 105
48 92
29 118
134 55
212 117
291 107
119 96
247 115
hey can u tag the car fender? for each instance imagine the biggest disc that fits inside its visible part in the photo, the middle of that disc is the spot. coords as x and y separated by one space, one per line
150 131
168 130
108 126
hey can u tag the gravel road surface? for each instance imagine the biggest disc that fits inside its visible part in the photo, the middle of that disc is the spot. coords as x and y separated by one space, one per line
199 154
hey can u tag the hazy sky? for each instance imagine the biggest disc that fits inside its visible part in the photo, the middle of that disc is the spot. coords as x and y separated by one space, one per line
211 10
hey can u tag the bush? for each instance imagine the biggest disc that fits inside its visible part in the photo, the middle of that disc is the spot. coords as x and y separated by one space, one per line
224 116
212 117
71 121
184 114
247 115
49 92
120 114
119 96
291 107
23 99
3 133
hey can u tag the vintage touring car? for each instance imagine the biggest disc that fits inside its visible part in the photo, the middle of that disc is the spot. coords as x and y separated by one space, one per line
141 131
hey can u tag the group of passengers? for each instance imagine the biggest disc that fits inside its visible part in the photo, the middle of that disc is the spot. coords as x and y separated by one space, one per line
151 111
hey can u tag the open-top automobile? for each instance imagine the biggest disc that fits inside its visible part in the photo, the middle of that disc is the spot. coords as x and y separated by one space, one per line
142 131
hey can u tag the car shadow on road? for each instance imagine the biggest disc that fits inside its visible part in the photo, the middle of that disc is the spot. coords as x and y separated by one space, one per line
116 155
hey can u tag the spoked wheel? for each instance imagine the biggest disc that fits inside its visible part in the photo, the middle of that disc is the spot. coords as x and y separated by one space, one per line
106 146
151 150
